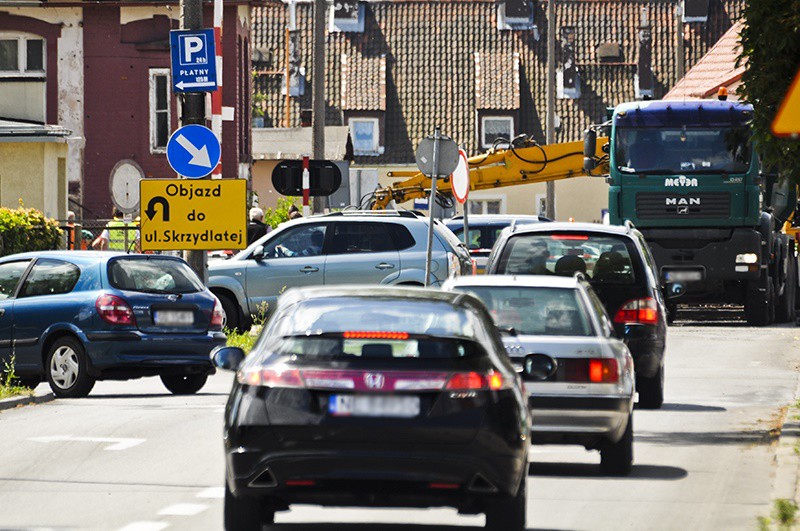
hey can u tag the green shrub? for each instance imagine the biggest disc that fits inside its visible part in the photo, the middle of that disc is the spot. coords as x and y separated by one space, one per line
275 216
27 229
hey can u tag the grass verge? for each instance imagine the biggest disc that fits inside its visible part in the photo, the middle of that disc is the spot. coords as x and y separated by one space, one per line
9 383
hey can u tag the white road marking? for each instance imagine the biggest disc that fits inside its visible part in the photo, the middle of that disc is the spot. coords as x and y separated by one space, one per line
183 509
145 526
217 493
115 443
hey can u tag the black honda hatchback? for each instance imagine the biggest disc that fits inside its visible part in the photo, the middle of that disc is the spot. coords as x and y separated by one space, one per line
617 263
379 397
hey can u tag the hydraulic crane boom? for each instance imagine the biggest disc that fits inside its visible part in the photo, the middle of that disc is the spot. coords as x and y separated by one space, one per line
529 163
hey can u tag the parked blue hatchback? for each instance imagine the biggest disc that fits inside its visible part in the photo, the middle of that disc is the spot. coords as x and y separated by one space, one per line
75 317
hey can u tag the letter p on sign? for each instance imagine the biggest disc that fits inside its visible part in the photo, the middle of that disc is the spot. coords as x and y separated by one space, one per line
193 45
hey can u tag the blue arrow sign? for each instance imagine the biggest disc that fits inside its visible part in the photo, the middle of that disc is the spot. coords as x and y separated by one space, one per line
194 63
193 151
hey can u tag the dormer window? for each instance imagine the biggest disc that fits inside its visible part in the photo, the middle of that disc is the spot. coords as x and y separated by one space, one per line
695 10
347 16
515 15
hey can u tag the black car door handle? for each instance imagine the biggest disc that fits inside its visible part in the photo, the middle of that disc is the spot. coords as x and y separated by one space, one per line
384 265
309 269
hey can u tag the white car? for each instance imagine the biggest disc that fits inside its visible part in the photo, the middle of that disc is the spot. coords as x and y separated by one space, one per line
579 377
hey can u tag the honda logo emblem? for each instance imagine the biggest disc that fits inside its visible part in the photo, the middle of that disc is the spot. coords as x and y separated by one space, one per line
374 380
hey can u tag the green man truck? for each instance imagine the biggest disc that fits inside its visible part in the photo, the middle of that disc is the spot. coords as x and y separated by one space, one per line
687 174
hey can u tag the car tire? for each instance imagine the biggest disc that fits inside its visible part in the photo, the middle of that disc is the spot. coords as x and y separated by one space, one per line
246 513
616 459
786 311
651 390
758 308
184 384
232 319
509 514
672 312
67 369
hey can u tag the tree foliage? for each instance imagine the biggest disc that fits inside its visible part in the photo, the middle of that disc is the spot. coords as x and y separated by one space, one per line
275 216
27 229
771 52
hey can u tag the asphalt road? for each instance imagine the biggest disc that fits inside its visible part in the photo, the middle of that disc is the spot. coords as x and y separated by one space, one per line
133 457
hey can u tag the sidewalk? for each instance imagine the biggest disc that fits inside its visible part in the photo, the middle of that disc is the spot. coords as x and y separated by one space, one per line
787 454
40 395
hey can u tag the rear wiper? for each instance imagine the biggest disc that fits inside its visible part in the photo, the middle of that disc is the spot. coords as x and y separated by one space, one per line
161 292
510 330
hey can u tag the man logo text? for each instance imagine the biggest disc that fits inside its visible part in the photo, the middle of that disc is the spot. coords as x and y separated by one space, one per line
683 201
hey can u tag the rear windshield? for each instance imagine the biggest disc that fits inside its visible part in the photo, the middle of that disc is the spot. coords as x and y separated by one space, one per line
480 237
407 349
153 275
605 259
535 311
378 314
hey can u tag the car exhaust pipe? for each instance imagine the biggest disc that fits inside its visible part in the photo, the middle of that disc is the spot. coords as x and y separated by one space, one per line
481 484
264 480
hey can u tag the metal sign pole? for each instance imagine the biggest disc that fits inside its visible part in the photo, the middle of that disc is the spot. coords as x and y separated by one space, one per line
466 223
431 203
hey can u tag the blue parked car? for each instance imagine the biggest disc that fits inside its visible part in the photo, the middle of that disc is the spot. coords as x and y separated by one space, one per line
75 317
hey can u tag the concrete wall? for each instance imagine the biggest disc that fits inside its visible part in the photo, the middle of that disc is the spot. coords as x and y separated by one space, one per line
261 180
34 172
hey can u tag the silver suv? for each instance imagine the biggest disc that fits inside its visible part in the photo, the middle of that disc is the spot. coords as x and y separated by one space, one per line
350 247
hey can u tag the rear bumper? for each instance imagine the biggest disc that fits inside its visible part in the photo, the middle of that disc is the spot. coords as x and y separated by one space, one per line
360 477
578 420
132 354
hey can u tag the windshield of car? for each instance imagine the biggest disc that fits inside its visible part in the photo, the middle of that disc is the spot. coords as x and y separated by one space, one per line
682 150
535 310
380 314
423 348
604 258
153 275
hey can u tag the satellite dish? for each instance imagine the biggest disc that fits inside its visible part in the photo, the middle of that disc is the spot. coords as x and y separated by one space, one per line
124 185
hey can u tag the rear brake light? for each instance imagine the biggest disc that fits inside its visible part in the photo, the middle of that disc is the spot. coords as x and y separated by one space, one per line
580 237
218 315
603 370
474 381
444 486
114 310
300 483
256 376
644 311
376 335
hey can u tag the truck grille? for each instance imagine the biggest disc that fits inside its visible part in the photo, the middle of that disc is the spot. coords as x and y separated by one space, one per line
653 205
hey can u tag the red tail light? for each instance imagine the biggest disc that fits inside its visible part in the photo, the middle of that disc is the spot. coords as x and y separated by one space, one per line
474 381
644 311
444 486
218 315
271 377
577 237
300 483
114 310
375 335
603 371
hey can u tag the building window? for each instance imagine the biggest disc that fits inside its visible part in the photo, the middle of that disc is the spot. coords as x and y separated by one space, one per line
493 205
365 133
516 15
347 16
495 127
159 110
21 56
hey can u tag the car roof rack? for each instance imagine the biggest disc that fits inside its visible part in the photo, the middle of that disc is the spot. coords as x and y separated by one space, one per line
400 213
629 225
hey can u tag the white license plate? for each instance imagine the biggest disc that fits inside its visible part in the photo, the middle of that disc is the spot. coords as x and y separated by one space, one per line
173 318
684 276
373 406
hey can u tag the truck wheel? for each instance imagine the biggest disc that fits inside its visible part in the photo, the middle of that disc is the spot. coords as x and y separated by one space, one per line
786 311
651 390
184 385
758 306
617 459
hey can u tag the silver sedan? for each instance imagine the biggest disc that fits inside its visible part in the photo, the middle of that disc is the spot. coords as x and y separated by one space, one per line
578 375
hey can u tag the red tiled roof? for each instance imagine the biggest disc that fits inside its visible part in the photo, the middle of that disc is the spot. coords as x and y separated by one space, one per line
363 82
716 69
431 75
497 81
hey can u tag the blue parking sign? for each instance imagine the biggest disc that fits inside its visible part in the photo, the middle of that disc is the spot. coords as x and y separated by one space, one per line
194 62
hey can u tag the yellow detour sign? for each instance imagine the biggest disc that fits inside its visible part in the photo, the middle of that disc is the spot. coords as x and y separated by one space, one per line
787 121
188 215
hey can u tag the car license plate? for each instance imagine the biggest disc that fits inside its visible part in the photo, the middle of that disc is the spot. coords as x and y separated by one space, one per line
173 318
373 406
683 276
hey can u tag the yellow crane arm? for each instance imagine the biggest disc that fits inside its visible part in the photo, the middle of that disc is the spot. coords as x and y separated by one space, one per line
531 163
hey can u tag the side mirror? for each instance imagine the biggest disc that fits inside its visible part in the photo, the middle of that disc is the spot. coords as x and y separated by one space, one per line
539 367
673 290
227 358
634 331
589 150
258 253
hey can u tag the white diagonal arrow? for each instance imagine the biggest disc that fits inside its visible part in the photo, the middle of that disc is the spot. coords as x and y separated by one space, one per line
199 156
114 443
181 85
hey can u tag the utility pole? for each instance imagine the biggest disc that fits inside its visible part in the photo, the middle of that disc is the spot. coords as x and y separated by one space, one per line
550 134
194 112
318 90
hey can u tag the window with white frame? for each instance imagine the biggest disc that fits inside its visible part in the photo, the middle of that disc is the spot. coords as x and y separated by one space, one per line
159 109
494 127
488 205
21 55
365 134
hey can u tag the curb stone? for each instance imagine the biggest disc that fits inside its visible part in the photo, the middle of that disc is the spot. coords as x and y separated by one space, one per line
787 455
17 401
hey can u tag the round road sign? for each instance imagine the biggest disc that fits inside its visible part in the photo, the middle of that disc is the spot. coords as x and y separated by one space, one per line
123 183
193 151
459 180
448 156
